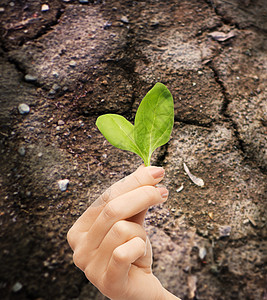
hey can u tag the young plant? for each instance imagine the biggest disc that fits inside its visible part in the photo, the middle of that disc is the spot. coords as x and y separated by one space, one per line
152 125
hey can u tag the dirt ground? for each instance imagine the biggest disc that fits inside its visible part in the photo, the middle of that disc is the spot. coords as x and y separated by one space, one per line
71 62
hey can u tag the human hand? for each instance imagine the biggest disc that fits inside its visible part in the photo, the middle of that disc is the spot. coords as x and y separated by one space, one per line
109 241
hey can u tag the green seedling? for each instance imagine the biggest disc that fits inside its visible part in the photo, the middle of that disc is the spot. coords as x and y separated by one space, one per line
152 125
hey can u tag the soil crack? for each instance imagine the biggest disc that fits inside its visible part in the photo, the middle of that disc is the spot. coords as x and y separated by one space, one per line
224 108
228 20
48 27
194 122
225 21
229 119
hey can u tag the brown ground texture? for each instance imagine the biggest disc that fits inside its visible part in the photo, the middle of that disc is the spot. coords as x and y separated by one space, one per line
103 56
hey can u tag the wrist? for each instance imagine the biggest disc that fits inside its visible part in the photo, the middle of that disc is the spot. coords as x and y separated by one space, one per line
166 295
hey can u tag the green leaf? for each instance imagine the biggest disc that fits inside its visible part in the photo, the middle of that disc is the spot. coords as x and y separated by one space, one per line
118 131
152 127
154 120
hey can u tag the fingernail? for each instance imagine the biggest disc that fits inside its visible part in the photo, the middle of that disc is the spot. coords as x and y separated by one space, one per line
157 172
163 192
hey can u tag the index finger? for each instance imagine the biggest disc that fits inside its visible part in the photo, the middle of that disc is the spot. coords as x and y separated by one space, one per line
143 176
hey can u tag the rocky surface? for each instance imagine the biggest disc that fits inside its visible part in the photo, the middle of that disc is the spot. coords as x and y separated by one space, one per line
76 60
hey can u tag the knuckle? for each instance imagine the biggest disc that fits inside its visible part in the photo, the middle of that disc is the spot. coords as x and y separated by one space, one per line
109 211
119 256
137 178
78 259
151 193
120 228
104 198
71 237
92 275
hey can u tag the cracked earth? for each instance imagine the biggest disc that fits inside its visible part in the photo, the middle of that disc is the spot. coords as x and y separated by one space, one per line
103 56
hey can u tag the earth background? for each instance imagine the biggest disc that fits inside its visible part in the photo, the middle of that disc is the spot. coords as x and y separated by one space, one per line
86 59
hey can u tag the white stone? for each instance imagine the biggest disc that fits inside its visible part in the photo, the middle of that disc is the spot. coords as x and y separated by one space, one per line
202 253
55 74
24 108
73 63
63 184
124 19
17 287
30 78
22 151
60 122
45 7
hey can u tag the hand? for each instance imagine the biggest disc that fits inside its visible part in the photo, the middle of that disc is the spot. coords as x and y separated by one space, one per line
109 241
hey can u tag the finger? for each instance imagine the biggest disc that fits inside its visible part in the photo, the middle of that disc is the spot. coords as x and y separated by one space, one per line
122 208
145 261
120 263
121 232
141 177
139 218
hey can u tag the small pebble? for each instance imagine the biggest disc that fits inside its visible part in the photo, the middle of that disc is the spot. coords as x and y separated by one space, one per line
44 7
30 78
202 253
40 154
2 9
124 19
22 151
52 92
12 4
55 74
63 184
24 108
180 188
60 122
252 221
72 63
154 22
225 230
17 287
56 87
